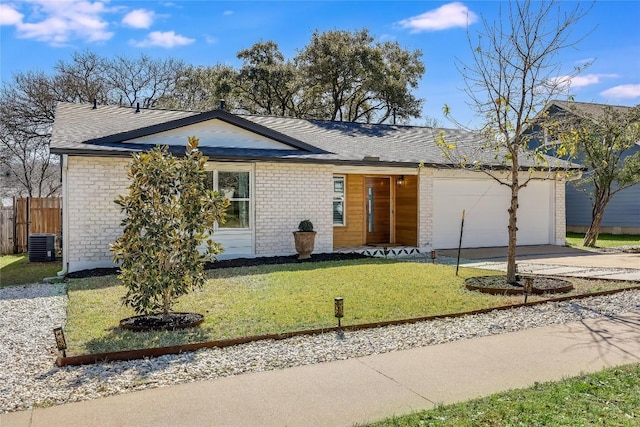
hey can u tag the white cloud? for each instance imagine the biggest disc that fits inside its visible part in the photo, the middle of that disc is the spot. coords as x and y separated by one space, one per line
9 16
58 22
622 92
450 15
139 18
581 80
211 39
166 39
227 12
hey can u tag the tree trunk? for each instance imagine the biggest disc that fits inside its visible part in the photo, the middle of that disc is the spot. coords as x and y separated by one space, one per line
513 230
591 236
166 301
513 217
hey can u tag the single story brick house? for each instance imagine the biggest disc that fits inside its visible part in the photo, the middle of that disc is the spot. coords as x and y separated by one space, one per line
362 185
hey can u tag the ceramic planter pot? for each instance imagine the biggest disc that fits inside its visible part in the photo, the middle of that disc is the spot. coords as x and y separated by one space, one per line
304 243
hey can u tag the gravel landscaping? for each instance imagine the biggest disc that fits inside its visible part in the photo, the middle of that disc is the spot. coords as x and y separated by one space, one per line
29 378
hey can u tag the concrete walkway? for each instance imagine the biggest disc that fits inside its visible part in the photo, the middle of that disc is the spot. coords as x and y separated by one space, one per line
364 389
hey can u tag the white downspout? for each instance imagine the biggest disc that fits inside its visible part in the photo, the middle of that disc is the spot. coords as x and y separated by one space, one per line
65 216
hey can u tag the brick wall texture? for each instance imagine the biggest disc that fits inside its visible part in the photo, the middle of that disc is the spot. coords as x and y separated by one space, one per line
425 210
94 219
285 194
560 212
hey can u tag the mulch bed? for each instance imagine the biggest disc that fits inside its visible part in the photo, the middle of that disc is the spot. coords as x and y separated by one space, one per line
237 262
497 285
158 322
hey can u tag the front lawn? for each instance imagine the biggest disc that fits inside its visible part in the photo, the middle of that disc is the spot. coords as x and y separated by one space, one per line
604 240
17 270
610 397
246 301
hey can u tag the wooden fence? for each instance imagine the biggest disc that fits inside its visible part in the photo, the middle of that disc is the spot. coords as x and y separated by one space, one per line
6 230
30 215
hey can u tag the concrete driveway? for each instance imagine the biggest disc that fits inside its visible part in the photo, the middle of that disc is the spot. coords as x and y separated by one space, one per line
554 260
548 254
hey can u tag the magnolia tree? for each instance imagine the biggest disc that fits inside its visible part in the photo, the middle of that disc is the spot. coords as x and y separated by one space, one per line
169 215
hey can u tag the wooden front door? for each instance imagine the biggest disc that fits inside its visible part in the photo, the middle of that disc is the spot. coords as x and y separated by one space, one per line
378 210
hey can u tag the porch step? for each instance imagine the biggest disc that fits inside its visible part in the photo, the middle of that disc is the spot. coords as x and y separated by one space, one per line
388 252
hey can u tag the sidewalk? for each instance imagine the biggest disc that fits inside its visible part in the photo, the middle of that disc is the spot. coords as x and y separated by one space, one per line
364 389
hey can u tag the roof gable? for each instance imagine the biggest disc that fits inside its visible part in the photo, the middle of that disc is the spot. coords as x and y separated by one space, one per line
215 128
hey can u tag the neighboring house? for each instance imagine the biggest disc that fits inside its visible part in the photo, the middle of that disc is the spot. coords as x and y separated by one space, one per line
622 214
362 185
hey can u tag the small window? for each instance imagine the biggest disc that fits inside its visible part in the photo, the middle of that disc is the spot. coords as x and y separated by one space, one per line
338 200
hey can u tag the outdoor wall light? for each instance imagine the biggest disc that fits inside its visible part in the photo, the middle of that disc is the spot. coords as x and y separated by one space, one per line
338 304
400 181
528 287
61 343
433 256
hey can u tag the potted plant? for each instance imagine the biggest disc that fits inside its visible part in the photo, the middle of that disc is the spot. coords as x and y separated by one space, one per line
304 238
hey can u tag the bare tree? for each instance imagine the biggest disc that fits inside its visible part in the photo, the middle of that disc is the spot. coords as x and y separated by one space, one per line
142 80
514 72
83 79
27 107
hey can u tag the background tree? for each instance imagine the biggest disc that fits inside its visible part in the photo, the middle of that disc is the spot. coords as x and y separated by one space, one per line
169 214
602 143
202 88
82 80
513 74
27 107
142 80
267 83
351 78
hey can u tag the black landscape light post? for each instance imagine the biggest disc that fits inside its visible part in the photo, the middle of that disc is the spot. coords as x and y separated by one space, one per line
339 309
61 343
528 287
433 256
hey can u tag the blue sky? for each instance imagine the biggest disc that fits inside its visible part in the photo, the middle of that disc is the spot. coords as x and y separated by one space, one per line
35 34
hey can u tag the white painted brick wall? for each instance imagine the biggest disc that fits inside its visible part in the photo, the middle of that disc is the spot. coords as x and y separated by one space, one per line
560 212
425 215
287 194
94 219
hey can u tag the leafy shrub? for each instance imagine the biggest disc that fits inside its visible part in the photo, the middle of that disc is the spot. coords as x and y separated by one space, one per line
305 225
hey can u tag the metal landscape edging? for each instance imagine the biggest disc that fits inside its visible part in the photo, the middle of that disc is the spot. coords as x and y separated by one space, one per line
86 359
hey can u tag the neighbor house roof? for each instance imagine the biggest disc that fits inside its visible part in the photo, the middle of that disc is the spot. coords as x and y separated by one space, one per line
82 130
586 109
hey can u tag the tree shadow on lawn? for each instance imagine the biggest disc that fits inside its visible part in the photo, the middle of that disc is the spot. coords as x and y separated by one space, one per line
119 339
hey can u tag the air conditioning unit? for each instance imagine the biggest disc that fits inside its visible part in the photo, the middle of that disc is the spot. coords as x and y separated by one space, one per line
42 247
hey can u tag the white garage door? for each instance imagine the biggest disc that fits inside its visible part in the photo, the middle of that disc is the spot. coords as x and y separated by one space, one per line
486 219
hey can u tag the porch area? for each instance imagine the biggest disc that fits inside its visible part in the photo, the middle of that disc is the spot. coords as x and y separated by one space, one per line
376 215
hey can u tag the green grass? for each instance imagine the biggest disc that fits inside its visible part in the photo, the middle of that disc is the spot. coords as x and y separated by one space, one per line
247 301
604 240
610 397
17 270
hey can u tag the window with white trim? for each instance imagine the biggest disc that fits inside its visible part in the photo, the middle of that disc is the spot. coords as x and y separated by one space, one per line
338 200
235 186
